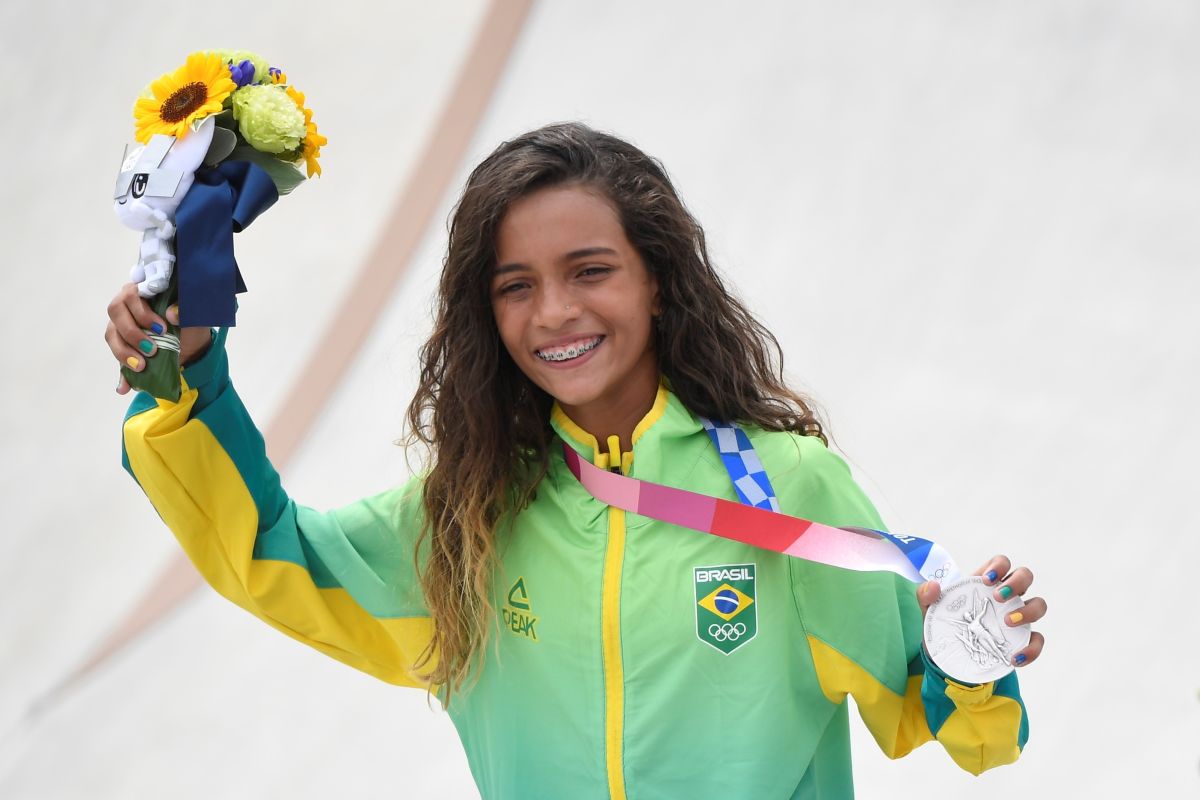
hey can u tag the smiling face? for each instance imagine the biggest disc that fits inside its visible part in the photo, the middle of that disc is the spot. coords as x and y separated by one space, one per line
574 304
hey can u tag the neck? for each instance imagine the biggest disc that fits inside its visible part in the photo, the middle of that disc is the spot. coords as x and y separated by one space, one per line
618 413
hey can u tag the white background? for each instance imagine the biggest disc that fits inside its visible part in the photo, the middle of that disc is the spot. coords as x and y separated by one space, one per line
971 225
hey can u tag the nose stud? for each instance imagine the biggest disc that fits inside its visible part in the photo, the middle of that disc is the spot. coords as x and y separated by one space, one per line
567 307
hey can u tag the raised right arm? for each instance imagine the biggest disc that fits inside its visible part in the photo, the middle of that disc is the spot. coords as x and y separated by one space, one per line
342 581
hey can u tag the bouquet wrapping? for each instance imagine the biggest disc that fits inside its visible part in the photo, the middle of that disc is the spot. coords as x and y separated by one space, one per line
218 142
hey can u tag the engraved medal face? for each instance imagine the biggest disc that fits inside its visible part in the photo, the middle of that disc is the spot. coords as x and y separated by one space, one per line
966 635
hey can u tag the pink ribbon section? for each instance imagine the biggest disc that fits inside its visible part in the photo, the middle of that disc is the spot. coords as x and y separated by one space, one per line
860 550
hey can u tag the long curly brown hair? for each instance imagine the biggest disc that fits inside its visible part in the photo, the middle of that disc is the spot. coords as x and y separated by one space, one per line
486 425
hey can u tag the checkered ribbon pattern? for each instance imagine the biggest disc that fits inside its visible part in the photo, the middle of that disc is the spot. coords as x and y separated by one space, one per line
745 469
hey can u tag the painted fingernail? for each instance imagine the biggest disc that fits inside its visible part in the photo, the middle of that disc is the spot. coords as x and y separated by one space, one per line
173 314
991 576
156 328
133 362
146 346
1015 617
1005 592
1020 659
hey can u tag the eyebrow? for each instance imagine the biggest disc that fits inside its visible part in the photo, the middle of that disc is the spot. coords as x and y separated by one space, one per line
571 256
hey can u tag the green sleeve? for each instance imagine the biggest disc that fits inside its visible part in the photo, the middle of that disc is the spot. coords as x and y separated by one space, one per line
342 581
865 633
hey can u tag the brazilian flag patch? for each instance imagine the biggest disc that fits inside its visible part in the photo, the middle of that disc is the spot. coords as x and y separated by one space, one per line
726 616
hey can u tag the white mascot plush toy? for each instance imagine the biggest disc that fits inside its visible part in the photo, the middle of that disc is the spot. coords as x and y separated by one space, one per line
152 183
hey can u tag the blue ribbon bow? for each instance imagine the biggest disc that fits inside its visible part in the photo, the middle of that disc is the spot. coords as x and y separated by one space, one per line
224 200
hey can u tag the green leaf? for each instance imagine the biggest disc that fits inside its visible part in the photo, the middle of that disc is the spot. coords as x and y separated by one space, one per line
223 143
286 176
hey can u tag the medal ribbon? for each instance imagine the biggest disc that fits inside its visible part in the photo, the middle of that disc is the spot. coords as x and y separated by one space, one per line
750 480
859 549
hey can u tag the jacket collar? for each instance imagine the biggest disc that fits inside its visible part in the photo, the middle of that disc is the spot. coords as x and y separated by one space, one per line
667 417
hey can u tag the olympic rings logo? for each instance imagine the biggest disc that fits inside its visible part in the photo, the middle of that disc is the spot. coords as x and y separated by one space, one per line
727 632
941 572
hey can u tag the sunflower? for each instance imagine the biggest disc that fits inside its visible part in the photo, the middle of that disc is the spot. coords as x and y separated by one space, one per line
175 101
313 141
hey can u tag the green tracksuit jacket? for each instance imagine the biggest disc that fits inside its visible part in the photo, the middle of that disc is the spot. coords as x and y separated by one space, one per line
614 672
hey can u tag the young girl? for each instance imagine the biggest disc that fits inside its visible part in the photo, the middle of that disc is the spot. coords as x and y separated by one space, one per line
581 651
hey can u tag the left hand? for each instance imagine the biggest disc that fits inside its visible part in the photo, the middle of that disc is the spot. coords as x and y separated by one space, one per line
1017 582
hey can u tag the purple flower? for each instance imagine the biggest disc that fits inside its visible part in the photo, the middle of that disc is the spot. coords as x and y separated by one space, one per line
243 73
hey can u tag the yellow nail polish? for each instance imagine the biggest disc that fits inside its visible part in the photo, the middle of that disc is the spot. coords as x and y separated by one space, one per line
132 362
1015 617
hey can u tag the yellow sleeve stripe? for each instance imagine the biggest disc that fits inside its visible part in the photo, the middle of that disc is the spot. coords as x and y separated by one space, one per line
896 721
982 731
330 620
198 492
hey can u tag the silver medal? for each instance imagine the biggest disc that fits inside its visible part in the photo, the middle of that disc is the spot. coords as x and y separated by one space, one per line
966 633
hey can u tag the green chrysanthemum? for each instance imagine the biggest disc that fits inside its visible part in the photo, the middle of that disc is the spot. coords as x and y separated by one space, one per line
262 67
268 119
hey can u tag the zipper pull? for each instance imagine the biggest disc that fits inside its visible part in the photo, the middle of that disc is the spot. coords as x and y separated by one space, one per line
614 453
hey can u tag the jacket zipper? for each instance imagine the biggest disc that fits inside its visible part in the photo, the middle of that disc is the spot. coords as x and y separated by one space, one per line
614 677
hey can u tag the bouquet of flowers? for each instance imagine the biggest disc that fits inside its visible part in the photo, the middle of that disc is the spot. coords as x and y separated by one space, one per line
219 140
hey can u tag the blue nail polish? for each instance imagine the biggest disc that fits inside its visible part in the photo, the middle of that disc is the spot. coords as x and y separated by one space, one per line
991 576
1020 659
156 328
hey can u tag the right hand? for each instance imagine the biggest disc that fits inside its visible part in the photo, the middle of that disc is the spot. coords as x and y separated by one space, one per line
130 317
